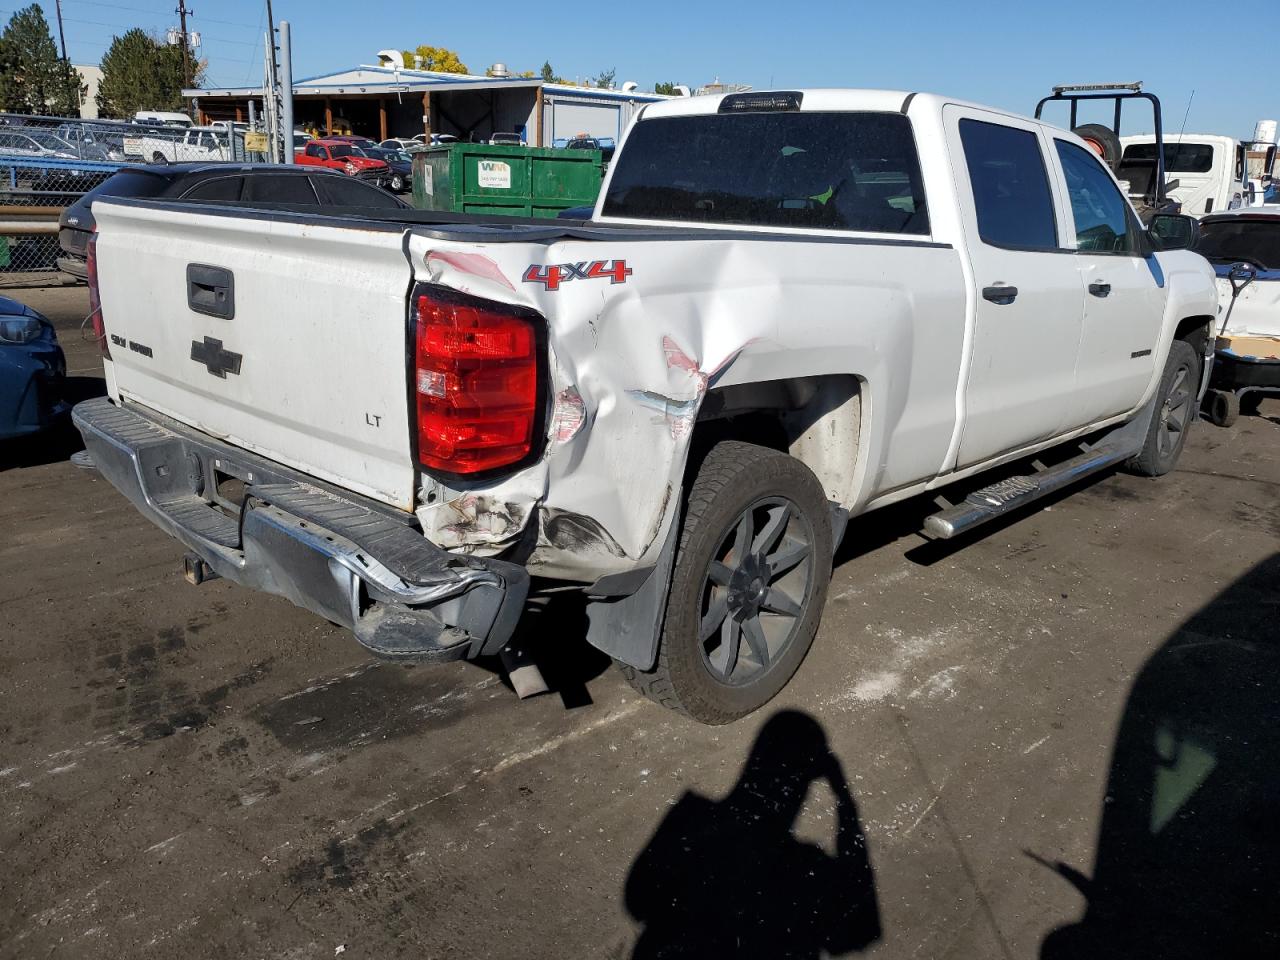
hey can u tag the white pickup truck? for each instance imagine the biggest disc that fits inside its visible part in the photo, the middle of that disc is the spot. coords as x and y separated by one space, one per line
788 309
178 145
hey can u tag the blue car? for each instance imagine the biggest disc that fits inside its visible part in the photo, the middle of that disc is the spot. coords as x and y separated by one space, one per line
32 371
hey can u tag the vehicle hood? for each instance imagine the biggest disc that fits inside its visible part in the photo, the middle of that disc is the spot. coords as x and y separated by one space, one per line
1257 307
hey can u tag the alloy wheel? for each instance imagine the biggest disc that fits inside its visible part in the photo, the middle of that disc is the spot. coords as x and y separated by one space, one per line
755 591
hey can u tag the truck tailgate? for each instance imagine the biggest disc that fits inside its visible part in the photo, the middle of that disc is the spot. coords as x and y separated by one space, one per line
309 369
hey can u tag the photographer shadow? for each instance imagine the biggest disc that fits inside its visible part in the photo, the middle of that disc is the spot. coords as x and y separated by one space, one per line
1188 855
727 878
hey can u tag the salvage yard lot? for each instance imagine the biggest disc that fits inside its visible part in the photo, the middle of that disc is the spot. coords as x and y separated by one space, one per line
212 772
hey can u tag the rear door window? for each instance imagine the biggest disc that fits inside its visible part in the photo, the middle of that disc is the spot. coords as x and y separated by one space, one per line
221 188
827 171
1010 186
279 188
349 192
1100 212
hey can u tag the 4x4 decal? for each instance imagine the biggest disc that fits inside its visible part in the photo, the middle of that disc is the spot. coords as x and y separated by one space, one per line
552 275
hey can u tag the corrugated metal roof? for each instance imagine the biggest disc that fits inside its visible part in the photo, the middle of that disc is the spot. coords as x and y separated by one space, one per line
365 78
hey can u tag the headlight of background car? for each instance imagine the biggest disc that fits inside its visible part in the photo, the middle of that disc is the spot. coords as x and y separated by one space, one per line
19 329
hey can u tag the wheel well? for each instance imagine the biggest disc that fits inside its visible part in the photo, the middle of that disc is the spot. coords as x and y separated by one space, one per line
1194 330
818 420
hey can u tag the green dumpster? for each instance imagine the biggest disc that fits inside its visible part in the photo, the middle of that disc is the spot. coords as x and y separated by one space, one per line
512 181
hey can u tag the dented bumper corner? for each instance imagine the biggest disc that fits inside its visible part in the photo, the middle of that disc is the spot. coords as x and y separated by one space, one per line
268 527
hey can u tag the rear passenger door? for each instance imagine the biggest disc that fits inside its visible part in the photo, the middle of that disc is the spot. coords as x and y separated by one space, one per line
1028 304
1123 299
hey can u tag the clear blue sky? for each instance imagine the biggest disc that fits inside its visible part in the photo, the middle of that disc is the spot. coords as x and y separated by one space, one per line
1002 53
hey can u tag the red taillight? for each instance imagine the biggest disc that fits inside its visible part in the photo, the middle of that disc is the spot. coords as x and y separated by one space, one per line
95 299
475 384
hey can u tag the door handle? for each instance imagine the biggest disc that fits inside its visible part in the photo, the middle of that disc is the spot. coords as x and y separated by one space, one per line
1100 289
1001 294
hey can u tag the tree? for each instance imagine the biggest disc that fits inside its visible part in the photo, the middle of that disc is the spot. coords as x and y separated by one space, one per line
548 75
140 72
33 78
439 59
669 89
605 80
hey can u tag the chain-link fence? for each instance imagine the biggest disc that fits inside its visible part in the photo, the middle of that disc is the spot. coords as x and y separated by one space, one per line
47 163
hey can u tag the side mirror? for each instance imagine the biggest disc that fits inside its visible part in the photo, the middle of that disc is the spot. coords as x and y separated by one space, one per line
1174 231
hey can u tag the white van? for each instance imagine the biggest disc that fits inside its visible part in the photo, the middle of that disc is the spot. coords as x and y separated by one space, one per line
166 118
1205 173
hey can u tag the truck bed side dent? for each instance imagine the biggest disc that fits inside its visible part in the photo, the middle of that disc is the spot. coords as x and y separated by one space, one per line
634 358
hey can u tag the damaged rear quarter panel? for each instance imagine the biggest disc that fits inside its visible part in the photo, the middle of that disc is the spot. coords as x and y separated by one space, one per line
631 363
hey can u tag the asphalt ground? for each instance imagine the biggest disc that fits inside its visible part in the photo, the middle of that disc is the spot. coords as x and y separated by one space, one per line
1058 740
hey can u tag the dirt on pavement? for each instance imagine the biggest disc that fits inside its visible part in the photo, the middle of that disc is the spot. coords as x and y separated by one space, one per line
1087 693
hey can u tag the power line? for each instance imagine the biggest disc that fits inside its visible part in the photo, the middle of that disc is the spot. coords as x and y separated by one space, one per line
158 13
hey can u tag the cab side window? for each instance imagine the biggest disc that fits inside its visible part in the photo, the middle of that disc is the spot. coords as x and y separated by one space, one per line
1100 212
314 150
1010 186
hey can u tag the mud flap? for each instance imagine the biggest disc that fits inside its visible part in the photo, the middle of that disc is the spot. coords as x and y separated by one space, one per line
627 628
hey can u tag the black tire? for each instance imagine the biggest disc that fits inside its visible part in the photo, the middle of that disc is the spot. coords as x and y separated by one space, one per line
1223 407
1175 411
720 673
1103 140
159 157
1250 403
397 183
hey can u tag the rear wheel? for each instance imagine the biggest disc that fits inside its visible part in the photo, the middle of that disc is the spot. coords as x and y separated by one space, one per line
1250 403
397 182
748 588
1174 413
159 157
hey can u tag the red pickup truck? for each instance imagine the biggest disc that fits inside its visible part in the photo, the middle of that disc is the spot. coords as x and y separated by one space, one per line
337 155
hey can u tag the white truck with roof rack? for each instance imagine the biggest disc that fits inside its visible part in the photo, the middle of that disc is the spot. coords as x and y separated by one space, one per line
788 309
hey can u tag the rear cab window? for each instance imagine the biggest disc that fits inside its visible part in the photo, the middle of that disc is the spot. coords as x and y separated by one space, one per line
1178 157
815 170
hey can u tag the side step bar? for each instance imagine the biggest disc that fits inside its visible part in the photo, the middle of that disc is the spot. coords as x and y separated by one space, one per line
1007 495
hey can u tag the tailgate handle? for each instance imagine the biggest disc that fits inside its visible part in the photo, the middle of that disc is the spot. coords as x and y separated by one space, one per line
211 290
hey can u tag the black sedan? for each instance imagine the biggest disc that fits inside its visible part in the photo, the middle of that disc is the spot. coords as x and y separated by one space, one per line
247 184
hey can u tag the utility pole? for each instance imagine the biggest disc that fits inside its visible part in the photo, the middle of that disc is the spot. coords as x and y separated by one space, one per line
182 12
286 91
74 81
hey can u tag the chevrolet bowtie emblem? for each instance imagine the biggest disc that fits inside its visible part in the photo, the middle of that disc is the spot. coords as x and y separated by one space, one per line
219 362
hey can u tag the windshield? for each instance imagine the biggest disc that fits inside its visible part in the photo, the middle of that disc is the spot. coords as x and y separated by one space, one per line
834 171
1254 241
343 150
363 144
